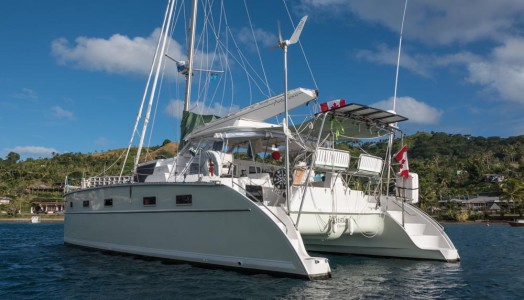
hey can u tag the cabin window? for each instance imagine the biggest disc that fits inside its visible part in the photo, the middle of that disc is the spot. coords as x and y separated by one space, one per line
184 200
108 202
85 203
71 204
254 192
149 201
254 170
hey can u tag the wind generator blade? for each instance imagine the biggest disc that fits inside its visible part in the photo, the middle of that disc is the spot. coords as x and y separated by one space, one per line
279 34
298 31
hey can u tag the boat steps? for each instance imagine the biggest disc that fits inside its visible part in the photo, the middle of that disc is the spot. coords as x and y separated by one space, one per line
414 229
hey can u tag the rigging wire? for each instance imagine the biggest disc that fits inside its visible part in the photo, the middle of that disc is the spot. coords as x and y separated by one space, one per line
257 48
146 89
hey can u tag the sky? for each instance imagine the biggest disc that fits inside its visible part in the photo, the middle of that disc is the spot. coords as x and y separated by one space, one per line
72 73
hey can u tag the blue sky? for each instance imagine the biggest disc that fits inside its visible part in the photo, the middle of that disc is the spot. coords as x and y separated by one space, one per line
73 72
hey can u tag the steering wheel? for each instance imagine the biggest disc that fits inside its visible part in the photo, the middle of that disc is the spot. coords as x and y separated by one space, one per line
279 178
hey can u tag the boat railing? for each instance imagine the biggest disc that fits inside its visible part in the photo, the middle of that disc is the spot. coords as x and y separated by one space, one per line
262 202
105 180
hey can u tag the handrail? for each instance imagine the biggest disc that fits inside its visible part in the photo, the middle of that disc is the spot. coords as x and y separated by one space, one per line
262 202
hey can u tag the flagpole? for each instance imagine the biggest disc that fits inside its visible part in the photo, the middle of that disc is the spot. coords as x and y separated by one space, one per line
403 198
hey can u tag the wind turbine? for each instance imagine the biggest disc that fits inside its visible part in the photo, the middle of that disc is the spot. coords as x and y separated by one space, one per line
284 44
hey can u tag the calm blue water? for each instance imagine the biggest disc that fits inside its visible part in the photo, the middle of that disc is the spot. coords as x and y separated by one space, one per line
34 264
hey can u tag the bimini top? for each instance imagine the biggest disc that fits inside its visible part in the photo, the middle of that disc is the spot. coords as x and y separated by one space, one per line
361 112
351 121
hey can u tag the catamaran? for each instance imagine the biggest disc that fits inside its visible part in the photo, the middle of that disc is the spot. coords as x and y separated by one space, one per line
247 193
192 207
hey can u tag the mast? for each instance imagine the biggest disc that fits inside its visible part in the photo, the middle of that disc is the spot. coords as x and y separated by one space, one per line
189 75
190 52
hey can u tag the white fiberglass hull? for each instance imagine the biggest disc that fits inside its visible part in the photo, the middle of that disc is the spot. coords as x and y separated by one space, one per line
389 239
218 227
338 220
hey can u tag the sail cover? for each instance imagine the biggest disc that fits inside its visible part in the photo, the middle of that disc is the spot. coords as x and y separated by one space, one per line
191 121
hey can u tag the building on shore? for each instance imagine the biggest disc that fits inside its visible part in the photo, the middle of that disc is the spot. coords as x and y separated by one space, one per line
47 207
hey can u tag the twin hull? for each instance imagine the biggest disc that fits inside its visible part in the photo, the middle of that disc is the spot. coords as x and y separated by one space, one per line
340 220
203 223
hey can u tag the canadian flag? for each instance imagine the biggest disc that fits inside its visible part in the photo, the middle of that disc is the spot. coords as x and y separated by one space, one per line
332 105
402 157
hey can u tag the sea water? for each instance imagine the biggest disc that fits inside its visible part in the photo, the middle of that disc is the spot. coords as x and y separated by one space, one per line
35 264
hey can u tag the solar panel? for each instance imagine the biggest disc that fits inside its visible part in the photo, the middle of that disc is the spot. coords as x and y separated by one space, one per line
367 114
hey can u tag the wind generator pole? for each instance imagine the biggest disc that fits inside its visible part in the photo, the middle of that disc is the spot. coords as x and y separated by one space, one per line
284 44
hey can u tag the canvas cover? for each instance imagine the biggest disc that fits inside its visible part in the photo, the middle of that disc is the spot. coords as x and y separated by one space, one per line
191 121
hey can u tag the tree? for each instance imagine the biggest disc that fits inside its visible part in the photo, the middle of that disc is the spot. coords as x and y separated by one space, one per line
12 158
513 190
166 141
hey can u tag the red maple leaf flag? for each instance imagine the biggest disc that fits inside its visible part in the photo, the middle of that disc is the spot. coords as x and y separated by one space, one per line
332 105
402 157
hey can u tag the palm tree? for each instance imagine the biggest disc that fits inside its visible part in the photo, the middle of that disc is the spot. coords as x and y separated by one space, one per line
513 190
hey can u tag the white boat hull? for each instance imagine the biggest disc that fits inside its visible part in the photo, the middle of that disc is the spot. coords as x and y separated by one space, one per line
390 240
338 220
230 231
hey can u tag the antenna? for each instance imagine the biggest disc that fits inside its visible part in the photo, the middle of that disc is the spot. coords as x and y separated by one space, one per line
398 57
390 140
283 44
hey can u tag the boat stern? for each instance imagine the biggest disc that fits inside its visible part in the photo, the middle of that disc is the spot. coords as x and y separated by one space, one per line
317 268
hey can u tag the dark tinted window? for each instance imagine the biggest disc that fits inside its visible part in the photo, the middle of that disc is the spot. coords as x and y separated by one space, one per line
184 199
149 200
108 202
85 203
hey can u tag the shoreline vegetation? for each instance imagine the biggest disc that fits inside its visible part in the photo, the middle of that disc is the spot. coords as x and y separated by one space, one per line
452 168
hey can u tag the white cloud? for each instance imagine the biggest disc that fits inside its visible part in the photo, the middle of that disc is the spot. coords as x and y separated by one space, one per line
175 108
389 56
503 72
416 111
26 94
433 22
61 113
121 54
263 38
33 150
118 54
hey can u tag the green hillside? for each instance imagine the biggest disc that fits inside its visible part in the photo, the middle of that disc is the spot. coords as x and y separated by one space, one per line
449 165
